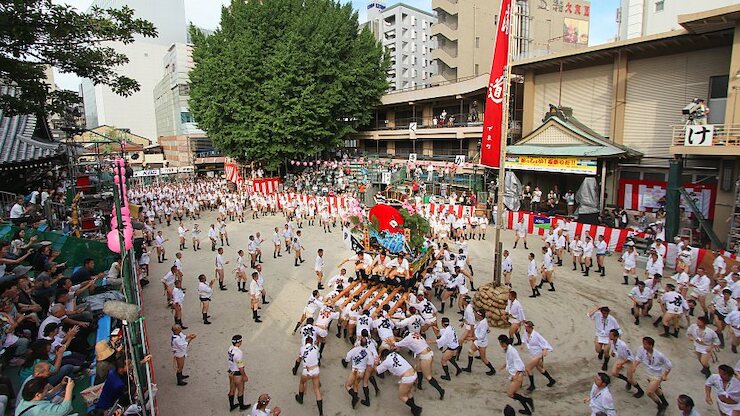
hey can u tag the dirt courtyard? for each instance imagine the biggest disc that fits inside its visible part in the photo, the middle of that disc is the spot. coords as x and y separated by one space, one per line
270 348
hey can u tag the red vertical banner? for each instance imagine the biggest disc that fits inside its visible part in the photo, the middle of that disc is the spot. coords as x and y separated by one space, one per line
491 144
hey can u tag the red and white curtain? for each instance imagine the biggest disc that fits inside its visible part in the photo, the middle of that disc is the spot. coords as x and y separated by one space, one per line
456 210
264 186
332 202
231 173
615 237
645 195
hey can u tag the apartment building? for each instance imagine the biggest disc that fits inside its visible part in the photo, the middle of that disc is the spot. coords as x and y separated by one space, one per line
466 29
406 33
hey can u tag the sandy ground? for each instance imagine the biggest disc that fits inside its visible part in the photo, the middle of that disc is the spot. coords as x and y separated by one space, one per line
270 348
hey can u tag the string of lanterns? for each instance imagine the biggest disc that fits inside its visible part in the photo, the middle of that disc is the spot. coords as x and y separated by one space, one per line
378 162
113 237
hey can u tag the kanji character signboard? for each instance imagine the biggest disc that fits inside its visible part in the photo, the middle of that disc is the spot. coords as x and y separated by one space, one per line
699 135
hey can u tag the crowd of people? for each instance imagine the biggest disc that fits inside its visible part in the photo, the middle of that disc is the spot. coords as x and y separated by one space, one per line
385 305
49 313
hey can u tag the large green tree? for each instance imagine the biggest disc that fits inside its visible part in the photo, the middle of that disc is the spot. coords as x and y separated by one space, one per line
36 34
285 78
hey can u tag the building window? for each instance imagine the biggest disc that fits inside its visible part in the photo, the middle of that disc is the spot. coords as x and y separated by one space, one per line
477 41
423 24
183 89
476 70
186 117
659 6
718 86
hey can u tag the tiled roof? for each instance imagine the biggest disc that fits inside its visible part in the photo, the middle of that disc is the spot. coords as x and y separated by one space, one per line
18 143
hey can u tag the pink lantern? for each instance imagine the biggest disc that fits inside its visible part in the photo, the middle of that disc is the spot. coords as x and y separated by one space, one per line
310 163
113 242
305 163
292 162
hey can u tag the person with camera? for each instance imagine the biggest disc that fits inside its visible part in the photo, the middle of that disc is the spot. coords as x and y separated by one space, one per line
34 403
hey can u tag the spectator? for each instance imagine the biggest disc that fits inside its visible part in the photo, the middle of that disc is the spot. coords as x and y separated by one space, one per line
19 213
18 246
107 352
85 273
67 295
57 315
113 277
25 303
40 351
42 371
623 218
570 202
43 261
44 287
115 390
33 401
5 262
51 333
536 199
527 198
8 325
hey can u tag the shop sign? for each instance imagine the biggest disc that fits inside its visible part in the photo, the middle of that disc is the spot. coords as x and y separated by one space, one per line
185 169
582 166
146 172
167 171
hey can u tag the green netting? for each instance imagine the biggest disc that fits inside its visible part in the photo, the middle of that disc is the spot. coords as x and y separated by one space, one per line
73 250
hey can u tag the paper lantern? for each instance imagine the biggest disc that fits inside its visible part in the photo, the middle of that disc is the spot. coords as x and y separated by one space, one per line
310 163
292 162
305 163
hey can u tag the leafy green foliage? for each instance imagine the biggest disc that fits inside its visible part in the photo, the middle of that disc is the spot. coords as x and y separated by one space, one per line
418 227
285 78
36 34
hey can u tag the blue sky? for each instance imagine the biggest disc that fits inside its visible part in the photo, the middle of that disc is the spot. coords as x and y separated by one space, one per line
206 13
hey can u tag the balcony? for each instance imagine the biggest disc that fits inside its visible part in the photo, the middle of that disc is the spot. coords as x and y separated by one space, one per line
443 33
725 141
444 56
449 6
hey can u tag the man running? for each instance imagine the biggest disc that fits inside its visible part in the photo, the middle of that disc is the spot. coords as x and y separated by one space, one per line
603 324
705 342
657 366
450 347
537 348
516 369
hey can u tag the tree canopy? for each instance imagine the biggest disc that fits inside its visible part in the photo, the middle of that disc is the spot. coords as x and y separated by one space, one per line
285 78
36 34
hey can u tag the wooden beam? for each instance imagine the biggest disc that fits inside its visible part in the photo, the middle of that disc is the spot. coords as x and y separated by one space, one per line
361 302
353 294
385 302
398 304
342 293
379 294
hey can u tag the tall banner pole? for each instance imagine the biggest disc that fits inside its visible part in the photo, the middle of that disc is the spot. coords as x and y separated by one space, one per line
496 122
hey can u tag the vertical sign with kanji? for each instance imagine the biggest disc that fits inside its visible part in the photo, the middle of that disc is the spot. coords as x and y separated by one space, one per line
698 135
491 141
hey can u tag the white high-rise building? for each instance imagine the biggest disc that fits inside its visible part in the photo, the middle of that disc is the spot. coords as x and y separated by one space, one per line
406 33
637 18
136 112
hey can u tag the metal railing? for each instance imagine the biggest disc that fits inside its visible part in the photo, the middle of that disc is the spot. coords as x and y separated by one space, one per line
724 135
450 120
436 84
